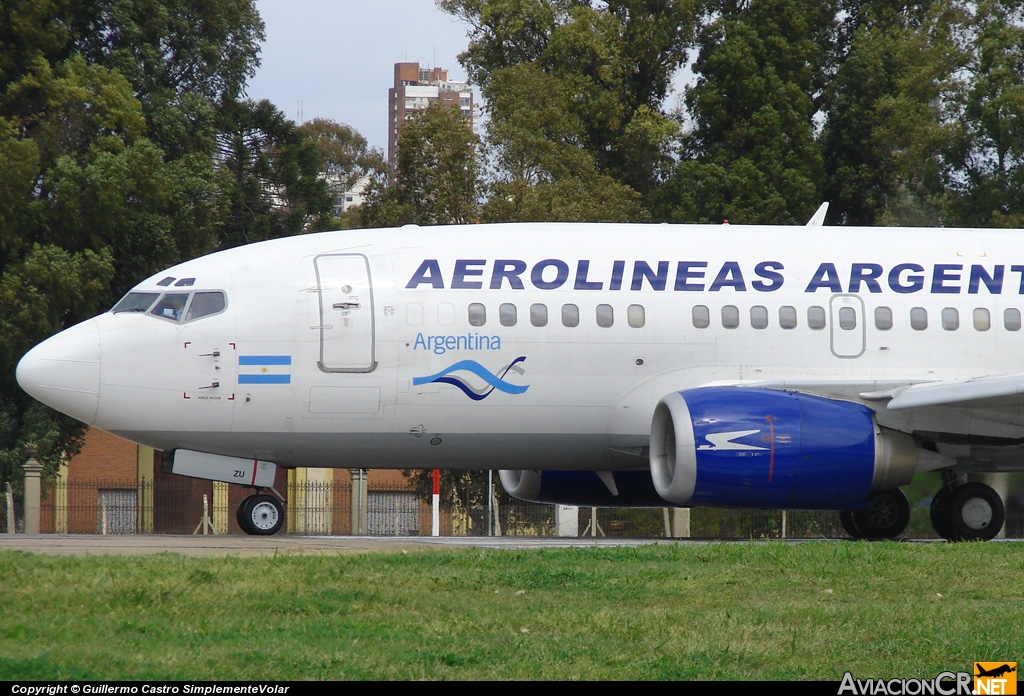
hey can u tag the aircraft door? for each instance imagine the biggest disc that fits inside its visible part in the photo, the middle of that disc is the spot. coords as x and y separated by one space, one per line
346 313
847 326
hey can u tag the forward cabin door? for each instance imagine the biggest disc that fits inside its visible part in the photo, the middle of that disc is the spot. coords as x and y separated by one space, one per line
346 313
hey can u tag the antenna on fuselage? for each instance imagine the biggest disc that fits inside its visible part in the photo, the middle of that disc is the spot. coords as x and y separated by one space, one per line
818 219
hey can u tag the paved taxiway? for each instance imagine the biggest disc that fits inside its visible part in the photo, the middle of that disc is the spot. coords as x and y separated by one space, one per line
217 545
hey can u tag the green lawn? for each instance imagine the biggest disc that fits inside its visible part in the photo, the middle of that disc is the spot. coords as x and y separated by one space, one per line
736 611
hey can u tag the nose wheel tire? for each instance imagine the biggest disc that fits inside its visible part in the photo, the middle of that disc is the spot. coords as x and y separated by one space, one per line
260 515
886 517
971 512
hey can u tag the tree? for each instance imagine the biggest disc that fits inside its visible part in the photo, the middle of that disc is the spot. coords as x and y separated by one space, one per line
108 116
48 290
345 156
85 187
436 173
889 131
180 56
541 172
750 155
609 63
270 174
988 176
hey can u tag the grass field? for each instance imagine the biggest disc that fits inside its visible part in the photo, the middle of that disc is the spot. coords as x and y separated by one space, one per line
734 611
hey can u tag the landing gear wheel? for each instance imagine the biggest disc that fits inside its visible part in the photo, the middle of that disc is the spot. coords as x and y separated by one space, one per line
886 517
260 515
240 513
846 519
940 513
974 512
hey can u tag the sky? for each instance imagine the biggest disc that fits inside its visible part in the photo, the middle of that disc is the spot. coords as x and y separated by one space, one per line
337 56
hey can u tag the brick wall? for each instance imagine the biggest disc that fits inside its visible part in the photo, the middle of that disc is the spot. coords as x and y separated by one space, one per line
104 458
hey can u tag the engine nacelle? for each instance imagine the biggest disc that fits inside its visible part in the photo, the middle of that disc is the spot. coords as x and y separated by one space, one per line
586 488
751 447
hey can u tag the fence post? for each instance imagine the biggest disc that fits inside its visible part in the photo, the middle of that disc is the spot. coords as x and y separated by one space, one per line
567 520
358 502
33 490
10 508
680 522
435 503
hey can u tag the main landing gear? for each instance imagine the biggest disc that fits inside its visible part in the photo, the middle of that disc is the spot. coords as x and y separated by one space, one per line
886 517
260 515
967 512
959 512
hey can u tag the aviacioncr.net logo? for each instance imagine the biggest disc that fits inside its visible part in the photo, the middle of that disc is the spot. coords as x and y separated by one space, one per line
945 684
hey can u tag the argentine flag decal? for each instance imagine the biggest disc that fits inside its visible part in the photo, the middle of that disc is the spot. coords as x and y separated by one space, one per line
264 369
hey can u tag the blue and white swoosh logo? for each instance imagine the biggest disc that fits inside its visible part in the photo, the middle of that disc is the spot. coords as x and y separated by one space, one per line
493 381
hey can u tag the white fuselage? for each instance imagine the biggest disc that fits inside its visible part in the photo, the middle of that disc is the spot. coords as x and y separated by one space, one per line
352 349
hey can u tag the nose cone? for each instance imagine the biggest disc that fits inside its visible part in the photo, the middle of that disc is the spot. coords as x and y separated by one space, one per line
64 371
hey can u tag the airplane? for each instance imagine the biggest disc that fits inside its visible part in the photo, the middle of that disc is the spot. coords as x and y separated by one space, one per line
736 366
995 671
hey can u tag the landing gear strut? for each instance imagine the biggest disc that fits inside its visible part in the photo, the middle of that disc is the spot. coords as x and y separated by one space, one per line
260 515
968 512
886 516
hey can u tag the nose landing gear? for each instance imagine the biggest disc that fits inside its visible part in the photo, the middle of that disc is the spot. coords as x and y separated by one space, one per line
260 515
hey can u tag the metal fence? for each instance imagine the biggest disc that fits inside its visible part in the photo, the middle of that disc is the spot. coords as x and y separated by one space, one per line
319 508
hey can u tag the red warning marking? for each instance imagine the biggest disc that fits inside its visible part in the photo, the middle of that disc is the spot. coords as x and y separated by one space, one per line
185 395
187 343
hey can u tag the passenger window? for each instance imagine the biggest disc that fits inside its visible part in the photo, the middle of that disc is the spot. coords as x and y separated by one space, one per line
730 316
918 318
950 319
414 313
445 314
636 316
787 317
883 318
507 314
759 317
204 304
816 318
701 317
539 314
170 306
570 315
1011 319
605 316
477 314
847 318
982 320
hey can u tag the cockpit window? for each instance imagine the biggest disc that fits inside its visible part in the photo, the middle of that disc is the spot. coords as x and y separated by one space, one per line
166 281
205 304
185 283
136 302
171 305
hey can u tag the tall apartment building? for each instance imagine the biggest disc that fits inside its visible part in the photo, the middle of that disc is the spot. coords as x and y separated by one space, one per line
415 88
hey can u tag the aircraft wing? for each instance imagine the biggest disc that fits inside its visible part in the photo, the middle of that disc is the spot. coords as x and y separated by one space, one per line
992 392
